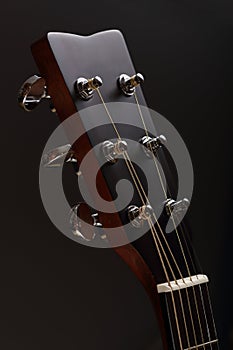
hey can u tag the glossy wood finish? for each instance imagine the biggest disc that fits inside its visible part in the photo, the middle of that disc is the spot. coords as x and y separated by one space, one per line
62 58
65 106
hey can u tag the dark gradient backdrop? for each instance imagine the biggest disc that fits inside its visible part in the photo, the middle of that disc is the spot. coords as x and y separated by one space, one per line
55 294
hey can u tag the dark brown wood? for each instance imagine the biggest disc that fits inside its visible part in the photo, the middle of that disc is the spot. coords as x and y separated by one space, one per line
61 59
65 107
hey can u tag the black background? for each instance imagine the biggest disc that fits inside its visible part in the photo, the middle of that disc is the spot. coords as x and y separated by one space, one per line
56 294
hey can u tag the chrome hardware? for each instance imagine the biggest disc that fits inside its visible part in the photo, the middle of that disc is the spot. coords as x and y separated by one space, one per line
83 222
112 150
137 215
96 222
80 221
57 156
128 84
32 92
176 207
85 87
152 144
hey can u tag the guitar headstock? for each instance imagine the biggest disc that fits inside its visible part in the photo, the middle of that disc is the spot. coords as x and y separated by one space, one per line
93 87
74 58
93 79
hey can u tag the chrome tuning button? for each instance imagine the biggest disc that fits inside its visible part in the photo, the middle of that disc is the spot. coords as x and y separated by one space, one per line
152 144
176 207
137 215
57 156
85 88
32 92
128 84
83 222
112 150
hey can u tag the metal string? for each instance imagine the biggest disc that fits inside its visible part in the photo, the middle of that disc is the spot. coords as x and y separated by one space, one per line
154 233
169 319
201 294
180 243
132 170
129 164
208 330
180 297
208 295
207 290
162 185
173 299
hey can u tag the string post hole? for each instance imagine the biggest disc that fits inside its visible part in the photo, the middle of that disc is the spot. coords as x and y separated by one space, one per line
152 144
176 207
138 215
85 88
112 150
127 84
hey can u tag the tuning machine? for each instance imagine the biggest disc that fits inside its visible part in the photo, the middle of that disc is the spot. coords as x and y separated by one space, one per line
84 224
137 215
152 144
32 92
128 84
85 88
112 150
176 207
57 156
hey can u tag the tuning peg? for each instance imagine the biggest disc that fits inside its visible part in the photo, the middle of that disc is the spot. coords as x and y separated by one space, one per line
112 150
57 156
138 215
32 92
84 223
152 144
176 207
128 84
85 88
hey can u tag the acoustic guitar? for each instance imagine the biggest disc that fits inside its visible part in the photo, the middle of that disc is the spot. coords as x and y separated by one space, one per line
92 86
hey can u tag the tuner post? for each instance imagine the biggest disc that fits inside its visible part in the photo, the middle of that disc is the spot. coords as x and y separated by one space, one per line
85 88
152 144
138 215
113 150
176 207
128 84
